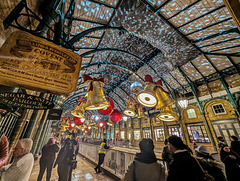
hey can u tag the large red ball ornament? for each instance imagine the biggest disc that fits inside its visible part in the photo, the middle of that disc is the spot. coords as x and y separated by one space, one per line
102 124
109 109
115 116
79 121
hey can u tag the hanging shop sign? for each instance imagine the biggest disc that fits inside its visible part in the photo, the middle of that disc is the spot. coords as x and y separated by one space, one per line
25 101
31 62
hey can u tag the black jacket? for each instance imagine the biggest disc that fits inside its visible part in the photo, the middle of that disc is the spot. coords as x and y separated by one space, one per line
49 152
235 146
184 168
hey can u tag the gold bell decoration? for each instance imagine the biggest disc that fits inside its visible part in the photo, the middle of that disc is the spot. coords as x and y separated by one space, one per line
65 122
130 109
140 111
95 97
80 108
63 129
163 97
167 114
147 97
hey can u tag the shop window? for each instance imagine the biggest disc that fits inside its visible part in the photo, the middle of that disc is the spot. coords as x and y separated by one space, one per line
123 125
136 122
122 135
197 133
129 124
147 133
159 133
191 113
218 109
175 130
137 135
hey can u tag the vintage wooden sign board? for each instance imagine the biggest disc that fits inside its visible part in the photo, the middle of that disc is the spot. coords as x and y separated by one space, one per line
25 101
33 63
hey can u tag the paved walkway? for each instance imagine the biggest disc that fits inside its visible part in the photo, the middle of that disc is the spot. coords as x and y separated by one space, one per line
84 171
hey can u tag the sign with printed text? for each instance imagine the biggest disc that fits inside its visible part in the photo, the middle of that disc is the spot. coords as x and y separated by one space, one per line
25 101
33 63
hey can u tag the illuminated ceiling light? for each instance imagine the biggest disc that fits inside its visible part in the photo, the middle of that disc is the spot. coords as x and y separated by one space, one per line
73 124
100 124
130 109
147 99
183 103
82 129
124 118
82 120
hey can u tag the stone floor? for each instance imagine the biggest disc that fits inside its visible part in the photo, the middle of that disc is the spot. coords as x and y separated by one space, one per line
84 171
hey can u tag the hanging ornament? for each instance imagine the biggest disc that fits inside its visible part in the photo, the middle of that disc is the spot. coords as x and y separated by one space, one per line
80 108
130 109
163 96
136 87
140 111
71 124
115 116
154 95
109 109
147 97
167 114
79 121
95 97
63 129
102 124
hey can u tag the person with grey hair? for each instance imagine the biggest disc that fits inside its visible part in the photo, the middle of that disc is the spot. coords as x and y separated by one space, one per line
22 165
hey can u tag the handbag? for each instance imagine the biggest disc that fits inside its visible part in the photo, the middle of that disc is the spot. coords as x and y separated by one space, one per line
207 176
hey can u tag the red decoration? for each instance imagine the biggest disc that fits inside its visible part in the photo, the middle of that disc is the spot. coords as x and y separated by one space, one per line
109 109
115 116
102 124
70 124
79 121
86 129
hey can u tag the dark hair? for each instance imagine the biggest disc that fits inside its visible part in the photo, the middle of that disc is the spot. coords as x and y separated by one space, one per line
166 141
146 145
220 138
176 142
234 137
104 140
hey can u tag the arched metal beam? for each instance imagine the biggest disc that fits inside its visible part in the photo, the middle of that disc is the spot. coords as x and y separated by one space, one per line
102 73
88 31
108 63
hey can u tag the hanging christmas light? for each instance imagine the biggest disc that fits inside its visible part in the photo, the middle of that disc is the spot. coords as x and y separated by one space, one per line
102 124
167 114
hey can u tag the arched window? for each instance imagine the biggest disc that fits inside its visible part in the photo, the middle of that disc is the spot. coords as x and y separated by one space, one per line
191 113
218 109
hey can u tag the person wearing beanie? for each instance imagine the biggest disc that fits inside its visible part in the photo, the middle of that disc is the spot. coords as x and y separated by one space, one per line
145 165
22 165
102 153
183 167
214 167
235 145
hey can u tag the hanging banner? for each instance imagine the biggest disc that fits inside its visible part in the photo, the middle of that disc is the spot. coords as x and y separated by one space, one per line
25 101
33 63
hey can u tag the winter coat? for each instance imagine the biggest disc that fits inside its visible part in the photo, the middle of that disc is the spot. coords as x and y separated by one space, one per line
214 168
232 164
145 168
49 152
184 168
235 146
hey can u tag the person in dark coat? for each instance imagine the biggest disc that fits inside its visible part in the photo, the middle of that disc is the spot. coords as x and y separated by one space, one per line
166 155
64 160
214 167
232 163
183 167
47 159
235 144
221 142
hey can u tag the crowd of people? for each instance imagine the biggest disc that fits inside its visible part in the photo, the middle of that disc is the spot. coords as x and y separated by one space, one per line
183 165
23 160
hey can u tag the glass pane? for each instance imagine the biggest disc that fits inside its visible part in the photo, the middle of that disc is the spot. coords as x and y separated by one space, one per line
217 130
232 133
226 136
229 125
